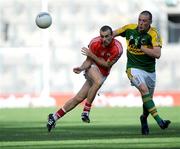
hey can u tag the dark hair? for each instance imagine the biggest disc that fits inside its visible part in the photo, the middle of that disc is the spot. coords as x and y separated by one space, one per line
146 12
105 28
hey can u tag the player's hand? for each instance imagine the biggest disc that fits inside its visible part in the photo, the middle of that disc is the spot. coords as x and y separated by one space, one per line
85 51
77 70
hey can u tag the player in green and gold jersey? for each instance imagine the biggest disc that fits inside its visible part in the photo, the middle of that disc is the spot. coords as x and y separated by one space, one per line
143 48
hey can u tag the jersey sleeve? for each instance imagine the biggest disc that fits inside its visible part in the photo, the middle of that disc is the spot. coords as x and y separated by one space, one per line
156 40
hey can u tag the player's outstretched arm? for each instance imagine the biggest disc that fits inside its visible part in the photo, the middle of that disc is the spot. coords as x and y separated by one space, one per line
85 65
115 33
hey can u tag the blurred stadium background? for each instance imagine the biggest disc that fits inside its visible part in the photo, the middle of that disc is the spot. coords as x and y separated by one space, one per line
36 65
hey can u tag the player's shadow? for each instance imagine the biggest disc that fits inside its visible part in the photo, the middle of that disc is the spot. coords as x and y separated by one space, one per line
79 131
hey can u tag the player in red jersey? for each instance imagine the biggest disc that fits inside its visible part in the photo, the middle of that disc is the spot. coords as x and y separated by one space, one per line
102 52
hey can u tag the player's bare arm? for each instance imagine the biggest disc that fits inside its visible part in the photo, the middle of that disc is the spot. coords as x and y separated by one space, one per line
85 51
115 33
85 65
154 52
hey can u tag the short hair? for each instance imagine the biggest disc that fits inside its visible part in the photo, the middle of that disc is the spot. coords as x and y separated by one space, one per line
146 12
105 28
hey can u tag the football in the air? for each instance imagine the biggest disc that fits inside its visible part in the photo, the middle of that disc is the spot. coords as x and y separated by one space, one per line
43 20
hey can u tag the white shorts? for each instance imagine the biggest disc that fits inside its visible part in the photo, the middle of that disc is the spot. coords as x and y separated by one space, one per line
138 76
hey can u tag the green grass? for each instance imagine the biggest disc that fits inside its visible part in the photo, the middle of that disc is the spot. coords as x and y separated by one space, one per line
110 128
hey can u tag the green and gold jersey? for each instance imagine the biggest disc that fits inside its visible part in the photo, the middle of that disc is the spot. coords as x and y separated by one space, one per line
135 57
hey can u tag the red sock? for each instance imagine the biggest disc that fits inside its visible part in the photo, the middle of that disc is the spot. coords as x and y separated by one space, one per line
60 113
87 108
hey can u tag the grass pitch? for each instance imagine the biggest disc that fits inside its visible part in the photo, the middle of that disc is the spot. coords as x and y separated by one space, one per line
110 128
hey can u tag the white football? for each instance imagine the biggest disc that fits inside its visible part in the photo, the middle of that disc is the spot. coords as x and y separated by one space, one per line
43 20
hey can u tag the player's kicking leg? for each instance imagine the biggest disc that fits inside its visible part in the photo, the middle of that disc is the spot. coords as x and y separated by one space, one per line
68 106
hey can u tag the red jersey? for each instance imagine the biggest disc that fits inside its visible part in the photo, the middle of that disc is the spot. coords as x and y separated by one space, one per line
109 53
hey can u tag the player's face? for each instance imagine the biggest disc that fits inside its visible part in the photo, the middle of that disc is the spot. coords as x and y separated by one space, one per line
144 23
106 37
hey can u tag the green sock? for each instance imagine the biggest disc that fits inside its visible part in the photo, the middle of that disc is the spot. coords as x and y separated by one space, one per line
145 111
150 106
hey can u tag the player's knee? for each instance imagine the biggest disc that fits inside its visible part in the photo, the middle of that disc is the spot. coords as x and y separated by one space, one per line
143 89
98 83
